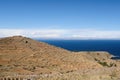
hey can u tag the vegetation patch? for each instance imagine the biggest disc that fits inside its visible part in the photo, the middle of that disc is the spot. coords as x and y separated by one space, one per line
104 64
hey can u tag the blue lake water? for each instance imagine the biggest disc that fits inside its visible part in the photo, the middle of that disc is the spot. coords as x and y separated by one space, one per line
112 46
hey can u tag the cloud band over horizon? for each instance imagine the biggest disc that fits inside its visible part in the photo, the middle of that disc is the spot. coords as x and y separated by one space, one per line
62 33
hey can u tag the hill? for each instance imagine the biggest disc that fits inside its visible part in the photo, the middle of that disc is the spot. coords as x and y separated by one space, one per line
21 55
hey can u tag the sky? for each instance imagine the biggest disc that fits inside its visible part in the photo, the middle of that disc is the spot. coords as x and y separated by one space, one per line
60 19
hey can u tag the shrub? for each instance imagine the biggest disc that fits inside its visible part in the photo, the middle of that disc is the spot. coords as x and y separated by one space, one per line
104 64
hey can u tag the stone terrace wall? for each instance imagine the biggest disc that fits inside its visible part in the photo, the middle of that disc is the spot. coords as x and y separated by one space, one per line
19 77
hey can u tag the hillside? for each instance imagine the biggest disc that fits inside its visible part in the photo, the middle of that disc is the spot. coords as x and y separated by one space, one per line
21 55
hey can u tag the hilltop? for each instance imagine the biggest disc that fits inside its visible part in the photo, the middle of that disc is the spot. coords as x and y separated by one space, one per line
21 55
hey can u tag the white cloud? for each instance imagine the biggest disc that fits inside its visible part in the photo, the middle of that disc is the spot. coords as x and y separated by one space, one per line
96 34
62 33
10 32
42 33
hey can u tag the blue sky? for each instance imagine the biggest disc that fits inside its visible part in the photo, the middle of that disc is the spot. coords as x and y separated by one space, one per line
60 19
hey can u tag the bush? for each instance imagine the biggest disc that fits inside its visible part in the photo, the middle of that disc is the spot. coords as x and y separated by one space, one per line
104 64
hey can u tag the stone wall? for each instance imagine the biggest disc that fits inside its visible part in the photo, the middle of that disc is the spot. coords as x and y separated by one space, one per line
20 77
